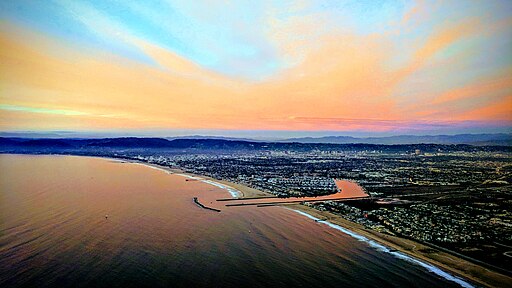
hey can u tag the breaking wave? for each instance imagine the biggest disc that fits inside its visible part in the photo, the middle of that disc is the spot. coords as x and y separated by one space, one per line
396 254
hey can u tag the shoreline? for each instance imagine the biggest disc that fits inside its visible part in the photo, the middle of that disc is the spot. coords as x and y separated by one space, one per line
235 189
447 262
422 254
395 252
418 253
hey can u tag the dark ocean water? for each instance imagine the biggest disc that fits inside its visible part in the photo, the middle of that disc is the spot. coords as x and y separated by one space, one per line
53 233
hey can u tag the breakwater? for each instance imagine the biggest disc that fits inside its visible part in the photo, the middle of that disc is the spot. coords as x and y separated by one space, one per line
204 207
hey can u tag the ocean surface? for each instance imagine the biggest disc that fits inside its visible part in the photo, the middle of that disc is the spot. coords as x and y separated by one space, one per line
82 222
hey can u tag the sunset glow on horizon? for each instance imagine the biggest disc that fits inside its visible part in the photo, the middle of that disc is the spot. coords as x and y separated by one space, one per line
383 66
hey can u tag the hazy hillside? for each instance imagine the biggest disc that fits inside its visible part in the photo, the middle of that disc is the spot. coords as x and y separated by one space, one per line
472 139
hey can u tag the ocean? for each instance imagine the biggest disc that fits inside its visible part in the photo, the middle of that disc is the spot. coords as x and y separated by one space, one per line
70 221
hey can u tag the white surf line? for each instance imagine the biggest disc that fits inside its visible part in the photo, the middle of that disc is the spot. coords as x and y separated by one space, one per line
150 166
400 255
189 176
234 192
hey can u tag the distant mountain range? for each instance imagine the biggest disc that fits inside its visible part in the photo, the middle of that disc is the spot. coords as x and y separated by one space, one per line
91 146
215 138
16 143
501 139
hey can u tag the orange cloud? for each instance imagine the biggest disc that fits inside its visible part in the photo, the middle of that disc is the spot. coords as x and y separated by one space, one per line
440 39
497 111
339 82
476 90
180 94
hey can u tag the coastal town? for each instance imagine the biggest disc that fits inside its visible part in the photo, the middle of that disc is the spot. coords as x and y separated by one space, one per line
457 200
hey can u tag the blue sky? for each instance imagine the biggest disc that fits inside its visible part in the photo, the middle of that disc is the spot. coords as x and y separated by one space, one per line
346 66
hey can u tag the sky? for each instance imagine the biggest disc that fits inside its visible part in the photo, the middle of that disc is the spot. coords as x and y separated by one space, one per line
242 68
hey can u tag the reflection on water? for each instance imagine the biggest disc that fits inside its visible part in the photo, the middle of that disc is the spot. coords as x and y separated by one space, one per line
349 189
53 232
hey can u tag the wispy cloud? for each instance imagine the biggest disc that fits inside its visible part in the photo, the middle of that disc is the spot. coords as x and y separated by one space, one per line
42 110
266 66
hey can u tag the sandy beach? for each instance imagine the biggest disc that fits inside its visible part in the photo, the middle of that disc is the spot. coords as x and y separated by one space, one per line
447 262
244 191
